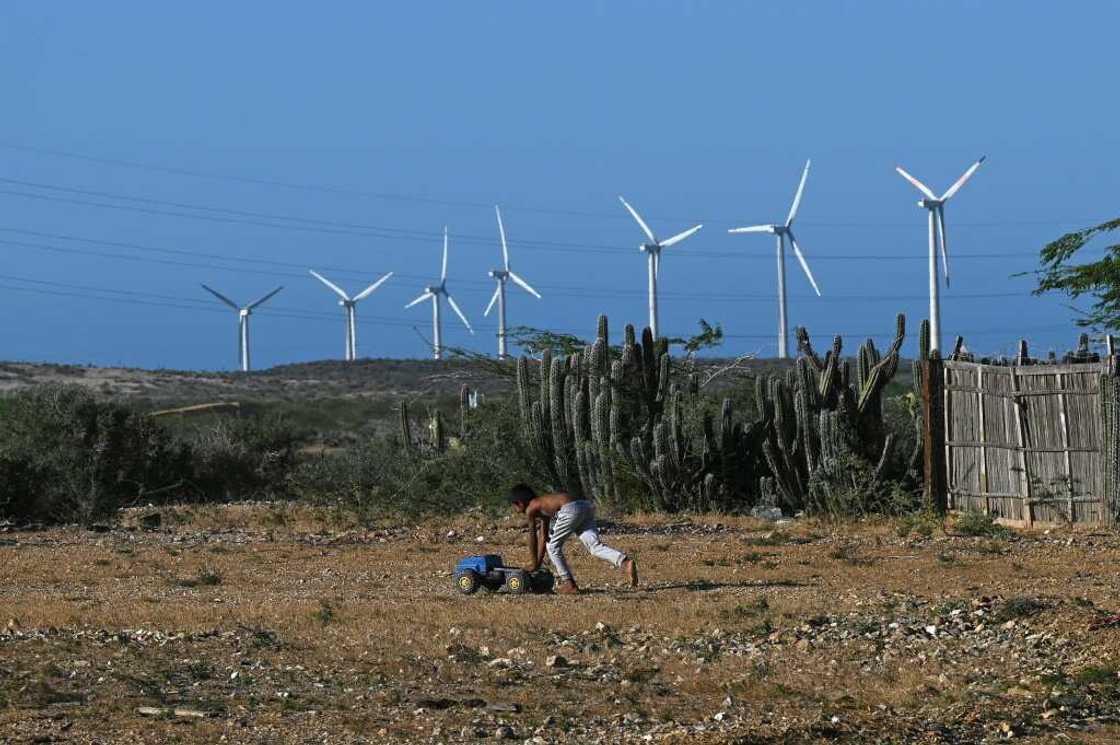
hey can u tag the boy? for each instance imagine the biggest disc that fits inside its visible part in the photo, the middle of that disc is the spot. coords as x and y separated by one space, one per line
568 515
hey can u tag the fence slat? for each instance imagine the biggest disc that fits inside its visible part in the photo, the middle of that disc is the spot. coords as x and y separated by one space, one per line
1025 394
1025 480
1016 447
983 436
1064 424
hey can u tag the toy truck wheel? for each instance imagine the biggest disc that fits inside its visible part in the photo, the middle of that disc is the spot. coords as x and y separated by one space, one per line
468 582
518 582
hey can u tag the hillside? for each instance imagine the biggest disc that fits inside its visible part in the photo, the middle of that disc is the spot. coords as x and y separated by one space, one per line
336 396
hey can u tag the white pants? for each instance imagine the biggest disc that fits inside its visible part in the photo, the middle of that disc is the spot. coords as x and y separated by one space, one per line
578 518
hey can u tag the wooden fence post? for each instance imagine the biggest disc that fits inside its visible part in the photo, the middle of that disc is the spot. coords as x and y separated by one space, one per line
1110 445
933 433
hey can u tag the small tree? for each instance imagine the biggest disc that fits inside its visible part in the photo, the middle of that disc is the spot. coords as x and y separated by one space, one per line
1098 279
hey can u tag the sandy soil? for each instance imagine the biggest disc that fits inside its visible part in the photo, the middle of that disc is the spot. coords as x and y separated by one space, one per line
277 624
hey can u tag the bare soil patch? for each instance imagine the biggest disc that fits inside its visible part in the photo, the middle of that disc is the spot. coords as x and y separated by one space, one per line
280 624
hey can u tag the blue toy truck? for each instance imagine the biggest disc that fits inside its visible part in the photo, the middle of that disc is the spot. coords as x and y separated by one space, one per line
490 573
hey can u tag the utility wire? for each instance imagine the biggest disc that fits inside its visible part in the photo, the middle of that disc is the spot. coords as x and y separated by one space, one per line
334 227
86 292
471 287
420 199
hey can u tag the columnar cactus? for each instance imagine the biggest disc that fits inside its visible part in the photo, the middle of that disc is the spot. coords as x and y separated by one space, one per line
406 429
614 418
821 419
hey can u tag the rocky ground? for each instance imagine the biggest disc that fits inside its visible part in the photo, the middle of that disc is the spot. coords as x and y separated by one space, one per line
274 624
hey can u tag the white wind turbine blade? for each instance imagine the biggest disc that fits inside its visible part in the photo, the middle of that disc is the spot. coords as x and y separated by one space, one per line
329 284
524 285
921 187
944 243
657 264
502 232
680 236
222 297
493 299
797 197
753 229
420 299
804 264
262 300
369 290
961 181
463 318
443 271
641 222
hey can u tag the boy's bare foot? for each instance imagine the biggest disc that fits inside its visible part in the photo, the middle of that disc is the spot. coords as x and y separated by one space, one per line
567 587
630 567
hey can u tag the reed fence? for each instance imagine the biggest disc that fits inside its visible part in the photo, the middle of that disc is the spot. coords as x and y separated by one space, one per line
1029 444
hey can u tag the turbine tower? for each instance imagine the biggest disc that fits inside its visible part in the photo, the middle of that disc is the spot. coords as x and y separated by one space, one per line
434 292
243 314
936 207
653 252
782 231
348 304
501 275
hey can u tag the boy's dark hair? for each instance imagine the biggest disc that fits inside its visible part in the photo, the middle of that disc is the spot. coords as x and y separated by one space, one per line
521 494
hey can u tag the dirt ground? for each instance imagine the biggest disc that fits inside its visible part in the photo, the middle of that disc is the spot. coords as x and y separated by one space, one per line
275 624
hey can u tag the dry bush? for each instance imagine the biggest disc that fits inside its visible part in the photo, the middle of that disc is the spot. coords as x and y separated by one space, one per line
69 457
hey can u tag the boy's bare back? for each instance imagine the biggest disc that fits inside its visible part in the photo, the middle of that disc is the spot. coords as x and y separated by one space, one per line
547 505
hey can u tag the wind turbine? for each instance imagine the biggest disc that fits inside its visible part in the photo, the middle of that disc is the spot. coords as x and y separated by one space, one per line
348 304
782 231
243 314
434 292
936 207
500 291
653 252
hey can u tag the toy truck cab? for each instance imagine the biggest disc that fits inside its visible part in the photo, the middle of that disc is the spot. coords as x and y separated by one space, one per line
483 571
490 573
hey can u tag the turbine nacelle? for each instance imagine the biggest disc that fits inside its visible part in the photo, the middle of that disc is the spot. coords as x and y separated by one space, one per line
652 247
244 312
499 274
930 204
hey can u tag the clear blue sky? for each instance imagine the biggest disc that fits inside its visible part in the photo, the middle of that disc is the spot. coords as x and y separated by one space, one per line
695 111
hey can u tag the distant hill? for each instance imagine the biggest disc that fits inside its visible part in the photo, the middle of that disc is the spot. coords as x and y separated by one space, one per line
337 396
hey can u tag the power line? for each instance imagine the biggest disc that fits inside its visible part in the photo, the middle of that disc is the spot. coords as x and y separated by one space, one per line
87 292
421 199
335 227
474 288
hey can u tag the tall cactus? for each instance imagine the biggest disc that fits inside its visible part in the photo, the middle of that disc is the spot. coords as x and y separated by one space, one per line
406 429
822 418
604 420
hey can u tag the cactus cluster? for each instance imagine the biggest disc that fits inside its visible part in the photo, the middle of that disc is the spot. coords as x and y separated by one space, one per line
826 422
915 400
611 422
608 418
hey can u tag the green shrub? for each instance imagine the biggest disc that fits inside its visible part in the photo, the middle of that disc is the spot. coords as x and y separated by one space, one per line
64 456
382 476
976 523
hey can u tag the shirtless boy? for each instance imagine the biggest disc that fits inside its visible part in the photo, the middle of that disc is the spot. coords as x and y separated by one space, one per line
568 515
